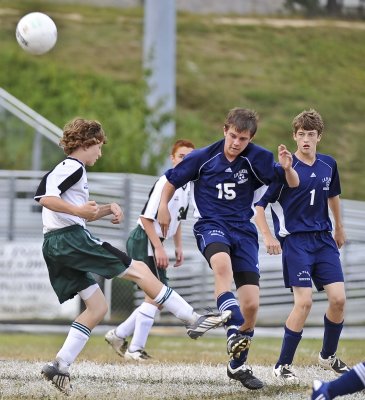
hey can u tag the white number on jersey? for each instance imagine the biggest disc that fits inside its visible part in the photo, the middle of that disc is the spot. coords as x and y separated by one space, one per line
226 190
313 193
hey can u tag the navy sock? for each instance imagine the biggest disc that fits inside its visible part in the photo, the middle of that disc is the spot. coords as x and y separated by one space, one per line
227 301
348 383
289 346
331 337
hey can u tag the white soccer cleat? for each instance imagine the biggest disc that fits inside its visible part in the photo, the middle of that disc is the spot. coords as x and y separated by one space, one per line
119 345
333 363
138 355
285 374
59 378
207 321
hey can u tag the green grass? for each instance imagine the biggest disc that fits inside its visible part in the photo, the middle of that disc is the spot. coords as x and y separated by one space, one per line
210 349
95 71
180 369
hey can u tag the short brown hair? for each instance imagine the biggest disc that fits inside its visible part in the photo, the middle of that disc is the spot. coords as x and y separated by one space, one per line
81 133
242 119
308 120
182 143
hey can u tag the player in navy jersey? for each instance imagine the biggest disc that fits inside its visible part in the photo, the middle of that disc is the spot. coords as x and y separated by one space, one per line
303 233
351 382
226 177
73 254
145 243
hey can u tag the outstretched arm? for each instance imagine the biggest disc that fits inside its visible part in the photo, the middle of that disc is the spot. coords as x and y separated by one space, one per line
286 161
271 243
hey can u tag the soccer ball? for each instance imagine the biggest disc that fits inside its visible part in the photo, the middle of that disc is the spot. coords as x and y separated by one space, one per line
36 33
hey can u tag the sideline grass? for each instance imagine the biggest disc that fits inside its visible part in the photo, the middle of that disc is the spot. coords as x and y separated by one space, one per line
181 369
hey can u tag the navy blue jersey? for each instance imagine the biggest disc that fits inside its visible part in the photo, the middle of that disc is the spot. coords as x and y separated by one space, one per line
224 190
304 208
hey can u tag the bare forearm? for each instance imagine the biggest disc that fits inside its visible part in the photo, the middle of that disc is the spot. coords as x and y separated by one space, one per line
178 238
291 177
335 206
57 204
151 232
103 211
261 222
167 193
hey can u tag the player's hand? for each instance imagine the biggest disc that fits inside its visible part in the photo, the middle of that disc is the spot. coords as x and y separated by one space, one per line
339 236
164 219
161 257
273 246
285 157
117 213
179 257
89 210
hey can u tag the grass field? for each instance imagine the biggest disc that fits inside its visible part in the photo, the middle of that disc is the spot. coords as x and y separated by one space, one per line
180 369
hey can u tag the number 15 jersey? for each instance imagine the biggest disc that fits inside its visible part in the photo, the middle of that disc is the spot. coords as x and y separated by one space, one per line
222 190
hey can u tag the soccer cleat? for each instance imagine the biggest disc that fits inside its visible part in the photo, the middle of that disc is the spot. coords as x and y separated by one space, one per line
237 343
244 375
333 363
285 374
138 355
120 345
319 391
207 321
61 379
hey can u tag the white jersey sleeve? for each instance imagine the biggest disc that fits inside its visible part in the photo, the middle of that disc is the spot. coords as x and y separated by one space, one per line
67 181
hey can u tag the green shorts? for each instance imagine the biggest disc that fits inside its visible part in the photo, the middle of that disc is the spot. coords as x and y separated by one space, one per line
137 248
72 254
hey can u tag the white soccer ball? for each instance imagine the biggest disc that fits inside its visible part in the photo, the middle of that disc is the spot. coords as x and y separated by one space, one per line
36 33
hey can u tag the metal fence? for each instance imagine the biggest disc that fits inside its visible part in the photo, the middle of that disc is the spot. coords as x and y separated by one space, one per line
21 222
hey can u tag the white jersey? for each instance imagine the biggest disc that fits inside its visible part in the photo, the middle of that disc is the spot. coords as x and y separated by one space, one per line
178 207
67 181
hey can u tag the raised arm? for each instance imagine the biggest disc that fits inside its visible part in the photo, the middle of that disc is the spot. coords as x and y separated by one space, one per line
286 161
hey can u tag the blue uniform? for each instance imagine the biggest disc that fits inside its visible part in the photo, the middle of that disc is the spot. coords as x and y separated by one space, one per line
302 224
223 194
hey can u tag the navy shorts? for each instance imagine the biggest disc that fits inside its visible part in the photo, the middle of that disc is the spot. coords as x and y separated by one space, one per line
311 256
241 237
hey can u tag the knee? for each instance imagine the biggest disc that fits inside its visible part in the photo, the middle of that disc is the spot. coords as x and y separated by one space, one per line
337 303
138 270
304 305
251 307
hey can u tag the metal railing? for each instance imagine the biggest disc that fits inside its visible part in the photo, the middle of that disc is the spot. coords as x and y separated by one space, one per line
29 116
21 222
